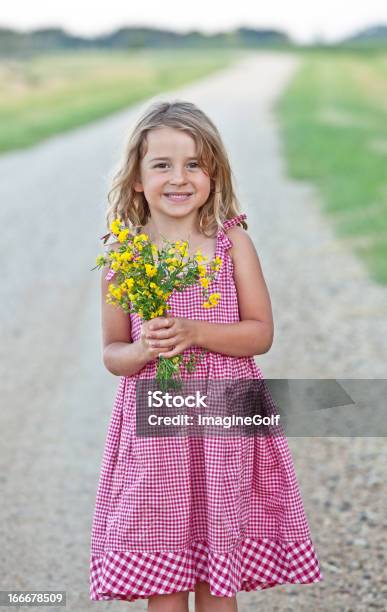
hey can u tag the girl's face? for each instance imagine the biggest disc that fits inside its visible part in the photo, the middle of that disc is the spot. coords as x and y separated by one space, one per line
173 183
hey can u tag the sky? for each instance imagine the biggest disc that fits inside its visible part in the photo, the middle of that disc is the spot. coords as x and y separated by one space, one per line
303 20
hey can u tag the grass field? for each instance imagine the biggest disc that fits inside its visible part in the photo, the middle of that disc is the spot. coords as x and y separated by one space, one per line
53 93
333 118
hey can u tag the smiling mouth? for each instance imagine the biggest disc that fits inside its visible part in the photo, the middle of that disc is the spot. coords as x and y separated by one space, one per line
178 197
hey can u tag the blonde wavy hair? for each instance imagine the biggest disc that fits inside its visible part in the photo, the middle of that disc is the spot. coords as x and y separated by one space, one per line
131 206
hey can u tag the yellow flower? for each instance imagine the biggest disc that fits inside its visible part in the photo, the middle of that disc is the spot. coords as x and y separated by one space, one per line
154 249
111 300
130 283
115 226
171 268
117 293
204 282
173 261
214 298
100 260
115 265
183 249
216 264
123 235
150 270
140 238
202 270
126 256
171 251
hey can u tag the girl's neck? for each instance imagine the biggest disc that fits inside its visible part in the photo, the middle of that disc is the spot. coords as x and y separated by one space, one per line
196 239
177 231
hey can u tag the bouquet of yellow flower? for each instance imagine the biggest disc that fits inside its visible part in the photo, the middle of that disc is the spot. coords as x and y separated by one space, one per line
144 278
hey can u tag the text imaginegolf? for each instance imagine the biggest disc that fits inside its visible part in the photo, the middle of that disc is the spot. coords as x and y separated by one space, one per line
209 420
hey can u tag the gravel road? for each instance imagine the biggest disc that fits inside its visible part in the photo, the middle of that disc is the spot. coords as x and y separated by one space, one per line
330 322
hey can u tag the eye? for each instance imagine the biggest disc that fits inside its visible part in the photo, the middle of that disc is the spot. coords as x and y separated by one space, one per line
163 164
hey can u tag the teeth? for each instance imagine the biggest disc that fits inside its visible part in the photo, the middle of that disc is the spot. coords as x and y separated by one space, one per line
178 196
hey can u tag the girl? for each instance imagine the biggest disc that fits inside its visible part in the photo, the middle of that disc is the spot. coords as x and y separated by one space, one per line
211 515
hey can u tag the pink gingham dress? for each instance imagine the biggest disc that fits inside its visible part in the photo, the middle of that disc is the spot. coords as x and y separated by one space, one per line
174 511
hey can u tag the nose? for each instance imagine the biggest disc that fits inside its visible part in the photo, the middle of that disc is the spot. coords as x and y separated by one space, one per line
178 176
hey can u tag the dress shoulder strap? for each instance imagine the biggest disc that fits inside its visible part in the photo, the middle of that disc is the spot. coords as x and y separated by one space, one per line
234 221
224 241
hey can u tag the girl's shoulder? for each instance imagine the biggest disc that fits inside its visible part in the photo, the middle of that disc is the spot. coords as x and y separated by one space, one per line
236 236
242 245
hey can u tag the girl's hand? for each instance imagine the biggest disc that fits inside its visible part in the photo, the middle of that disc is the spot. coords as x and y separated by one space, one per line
170 336
150 352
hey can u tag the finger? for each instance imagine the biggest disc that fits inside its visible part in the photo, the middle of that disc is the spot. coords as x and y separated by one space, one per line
172 353
167 321
159 323
160 334
162 343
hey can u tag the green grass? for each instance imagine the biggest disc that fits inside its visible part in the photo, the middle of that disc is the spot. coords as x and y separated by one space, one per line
333 118
49 94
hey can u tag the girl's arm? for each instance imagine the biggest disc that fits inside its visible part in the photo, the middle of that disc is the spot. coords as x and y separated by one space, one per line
121 356
253 335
